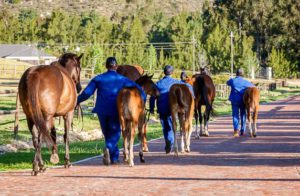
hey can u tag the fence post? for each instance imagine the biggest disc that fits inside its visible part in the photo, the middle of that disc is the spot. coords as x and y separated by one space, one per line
16 125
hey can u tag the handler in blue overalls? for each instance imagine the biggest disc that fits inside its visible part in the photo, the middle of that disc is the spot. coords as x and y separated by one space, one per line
163 108
108 86
238 86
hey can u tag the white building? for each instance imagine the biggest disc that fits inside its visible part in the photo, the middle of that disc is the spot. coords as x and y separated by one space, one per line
25 53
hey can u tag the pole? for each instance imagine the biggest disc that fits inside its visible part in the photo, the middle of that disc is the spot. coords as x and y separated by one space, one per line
16 124
231 50
193 41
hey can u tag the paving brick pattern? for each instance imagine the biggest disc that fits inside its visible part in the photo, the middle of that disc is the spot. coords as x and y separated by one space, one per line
217 165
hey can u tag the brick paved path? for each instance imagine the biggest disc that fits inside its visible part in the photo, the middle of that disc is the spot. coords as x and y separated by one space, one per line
219 164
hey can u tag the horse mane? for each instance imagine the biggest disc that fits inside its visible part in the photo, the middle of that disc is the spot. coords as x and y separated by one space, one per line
143 79
63 59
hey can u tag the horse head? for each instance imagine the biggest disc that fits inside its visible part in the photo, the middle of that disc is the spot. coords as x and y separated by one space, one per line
71 62
190 80
148 85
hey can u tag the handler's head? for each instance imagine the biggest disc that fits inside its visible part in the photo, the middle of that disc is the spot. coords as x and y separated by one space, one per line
168 70
111 63
240 72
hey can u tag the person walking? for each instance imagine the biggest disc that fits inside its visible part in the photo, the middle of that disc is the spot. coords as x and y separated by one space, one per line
238 86
108 86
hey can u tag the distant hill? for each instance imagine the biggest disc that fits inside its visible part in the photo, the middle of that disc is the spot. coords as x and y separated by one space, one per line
104 7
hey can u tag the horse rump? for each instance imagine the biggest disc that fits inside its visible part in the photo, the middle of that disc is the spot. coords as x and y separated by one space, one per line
251 101
131 113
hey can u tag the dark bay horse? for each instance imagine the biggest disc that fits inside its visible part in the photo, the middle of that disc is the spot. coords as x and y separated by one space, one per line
251 101
131 108
182 105
133 72
205 92
47 91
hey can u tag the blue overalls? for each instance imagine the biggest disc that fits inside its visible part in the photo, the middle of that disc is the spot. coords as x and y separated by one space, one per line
163 108
238 86
108 86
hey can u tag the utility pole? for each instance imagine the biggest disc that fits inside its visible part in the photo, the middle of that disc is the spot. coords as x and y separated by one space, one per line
231 50
194 42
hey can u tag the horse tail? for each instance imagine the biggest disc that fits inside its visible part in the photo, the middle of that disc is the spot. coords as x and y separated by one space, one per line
179 96
33 84
204 93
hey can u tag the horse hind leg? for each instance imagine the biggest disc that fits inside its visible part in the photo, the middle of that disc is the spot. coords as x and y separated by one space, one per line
50 125
126 136
131 134
196 121
68 121
36 143
249 121
141 129
206 119
182 132
174 127
255 115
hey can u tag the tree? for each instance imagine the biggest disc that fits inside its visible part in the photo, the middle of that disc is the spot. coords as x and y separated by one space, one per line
152 58
282 68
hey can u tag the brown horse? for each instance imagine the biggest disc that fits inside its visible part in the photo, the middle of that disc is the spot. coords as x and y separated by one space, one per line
205 92
251 101
47 91
182 105
133 72
131 108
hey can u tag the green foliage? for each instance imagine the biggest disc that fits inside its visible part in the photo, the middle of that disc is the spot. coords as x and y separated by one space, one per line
282 68
152 58
200 38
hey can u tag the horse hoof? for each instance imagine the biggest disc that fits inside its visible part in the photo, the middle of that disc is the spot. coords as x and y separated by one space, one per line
54 159
34 173
43 169
131 164
68 165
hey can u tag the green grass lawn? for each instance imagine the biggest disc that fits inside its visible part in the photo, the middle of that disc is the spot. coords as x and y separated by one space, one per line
81 150
78 151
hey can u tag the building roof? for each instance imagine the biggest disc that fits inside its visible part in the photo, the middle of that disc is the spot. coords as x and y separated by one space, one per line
21 50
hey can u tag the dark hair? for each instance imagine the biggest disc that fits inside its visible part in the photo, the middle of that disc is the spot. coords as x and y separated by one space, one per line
183 75
240 72
168 70
111 62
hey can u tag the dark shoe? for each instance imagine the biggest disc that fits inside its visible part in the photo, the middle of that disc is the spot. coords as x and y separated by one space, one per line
115 162
242 133
168 147
106 157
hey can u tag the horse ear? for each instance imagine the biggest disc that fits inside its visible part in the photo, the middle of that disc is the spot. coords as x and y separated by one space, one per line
80 56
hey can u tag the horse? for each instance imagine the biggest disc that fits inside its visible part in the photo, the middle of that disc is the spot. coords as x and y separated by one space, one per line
251 101
131 109
47 91
133 72
205 92
182 105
